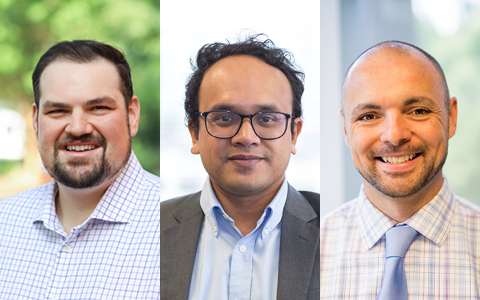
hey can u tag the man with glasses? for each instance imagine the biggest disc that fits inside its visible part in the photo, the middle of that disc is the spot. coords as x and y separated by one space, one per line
248 234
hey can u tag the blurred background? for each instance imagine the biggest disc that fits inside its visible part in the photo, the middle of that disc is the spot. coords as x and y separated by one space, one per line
28 29
447 29
185 26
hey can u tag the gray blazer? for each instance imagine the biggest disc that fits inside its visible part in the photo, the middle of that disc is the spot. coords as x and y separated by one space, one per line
299 266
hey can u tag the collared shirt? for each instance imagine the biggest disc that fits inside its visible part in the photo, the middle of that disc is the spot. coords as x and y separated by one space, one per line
114 254
443 262
231 266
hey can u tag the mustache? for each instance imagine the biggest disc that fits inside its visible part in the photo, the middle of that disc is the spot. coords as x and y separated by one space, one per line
392 149
69 138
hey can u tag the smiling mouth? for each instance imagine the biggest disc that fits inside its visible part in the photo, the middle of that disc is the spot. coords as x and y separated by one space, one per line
77 148
395 160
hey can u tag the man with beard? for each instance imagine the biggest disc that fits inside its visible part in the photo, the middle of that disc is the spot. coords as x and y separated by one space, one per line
248 234
93 232
407 234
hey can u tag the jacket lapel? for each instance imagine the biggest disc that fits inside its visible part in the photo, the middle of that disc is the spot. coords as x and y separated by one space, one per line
299 249
182 241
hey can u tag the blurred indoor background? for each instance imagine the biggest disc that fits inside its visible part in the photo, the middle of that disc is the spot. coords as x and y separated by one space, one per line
447 29
187 25
28 29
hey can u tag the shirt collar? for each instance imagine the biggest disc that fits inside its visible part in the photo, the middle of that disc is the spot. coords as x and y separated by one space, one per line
46 210
116 204
432 221
270 218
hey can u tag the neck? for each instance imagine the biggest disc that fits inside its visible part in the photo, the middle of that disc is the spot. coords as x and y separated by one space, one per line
401 209
74 206
245 209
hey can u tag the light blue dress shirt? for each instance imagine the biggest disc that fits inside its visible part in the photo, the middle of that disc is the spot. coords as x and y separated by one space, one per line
231 266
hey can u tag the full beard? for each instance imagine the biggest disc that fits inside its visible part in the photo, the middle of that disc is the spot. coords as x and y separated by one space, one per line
70 173
97 173
427 173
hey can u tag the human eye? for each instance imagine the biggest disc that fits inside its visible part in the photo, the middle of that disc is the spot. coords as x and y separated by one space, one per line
56 112
225 118
100 107
420 112
222 118
268 119
367 117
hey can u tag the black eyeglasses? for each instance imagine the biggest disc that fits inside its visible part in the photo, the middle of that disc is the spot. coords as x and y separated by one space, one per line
224 124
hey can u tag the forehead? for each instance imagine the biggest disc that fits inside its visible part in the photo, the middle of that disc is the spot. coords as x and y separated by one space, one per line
389 77
243 81
64 80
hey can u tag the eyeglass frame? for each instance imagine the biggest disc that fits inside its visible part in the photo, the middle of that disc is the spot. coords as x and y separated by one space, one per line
243 116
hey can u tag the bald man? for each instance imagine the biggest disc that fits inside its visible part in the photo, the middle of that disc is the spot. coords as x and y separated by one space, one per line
397 118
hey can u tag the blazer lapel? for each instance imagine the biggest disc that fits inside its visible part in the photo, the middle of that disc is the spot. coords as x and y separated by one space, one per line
299 249
182 241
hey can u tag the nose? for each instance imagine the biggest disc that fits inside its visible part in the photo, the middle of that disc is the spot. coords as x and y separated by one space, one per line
395 129
246 135
79 124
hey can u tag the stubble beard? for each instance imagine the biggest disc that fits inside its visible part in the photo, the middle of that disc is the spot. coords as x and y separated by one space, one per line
427 173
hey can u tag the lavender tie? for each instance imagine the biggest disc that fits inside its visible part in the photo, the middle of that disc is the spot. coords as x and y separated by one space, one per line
394 283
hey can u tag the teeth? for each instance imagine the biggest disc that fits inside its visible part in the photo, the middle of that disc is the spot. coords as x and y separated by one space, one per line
398 160
80 148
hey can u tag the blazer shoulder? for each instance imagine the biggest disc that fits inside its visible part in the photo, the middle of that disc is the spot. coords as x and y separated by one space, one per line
303 205
313 199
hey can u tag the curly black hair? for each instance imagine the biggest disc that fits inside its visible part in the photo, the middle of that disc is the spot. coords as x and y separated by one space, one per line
265 50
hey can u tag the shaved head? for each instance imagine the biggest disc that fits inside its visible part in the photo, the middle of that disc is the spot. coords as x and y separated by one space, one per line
387 49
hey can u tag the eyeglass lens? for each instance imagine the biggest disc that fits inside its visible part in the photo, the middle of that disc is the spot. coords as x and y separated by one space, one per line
267 125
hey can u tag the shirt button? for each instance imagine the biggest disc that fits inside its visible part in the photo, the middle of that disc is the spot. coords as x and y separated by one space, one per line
215 229
265 231
67 249
243 248
225 217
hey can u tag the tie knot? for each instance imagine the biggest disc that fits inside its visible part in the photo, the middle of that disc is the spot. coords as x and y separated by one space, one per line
399 239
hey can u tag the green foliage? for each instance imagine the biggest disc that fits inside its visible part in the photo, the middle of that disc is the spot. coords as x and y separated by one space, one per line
6 166
29 28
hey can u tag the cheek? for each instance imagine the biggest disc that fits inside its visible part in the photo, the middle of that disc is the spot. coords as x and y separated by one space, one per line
434 133
280 153
48 132
211 148
360 141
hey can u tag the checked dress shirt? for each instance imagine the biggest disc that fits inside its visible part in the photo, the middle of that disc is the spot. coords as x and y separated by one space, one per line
114 254
443 262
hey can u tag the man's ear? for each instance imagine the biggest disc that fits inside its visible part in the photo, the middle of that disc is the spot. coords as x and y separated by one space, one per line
297 128
134 115
35 119
194 134
452 117
345 135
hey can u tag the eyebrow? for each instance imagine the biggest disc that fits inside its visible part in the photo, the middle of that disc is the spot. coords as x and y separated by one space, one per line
361 107
230 107
419 100
102 100
52 104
